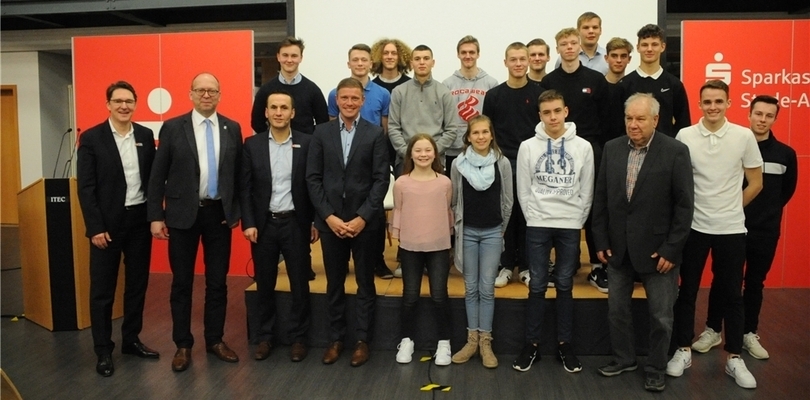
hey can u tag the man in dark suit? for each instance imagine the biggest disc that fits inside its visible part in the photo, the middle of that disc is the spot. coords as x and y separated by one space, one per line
642 214
115 158
347 176
195 172
277 218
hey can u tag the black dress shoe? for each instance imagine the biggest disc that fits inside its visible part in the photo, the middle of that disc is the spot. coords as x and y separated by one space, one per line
139 349
104 366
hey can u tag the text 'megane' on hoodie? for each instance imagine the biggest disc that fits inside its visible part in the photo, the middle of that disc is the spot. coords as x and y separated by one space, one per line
555 179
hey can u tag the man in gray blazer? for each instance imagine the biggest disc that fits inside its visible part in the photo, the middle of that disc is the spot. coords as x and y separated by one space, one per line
642 214
195 172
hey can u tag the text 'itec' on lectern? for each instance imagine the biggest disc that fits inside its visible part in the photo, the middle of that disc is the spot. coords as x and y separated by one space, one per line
55 257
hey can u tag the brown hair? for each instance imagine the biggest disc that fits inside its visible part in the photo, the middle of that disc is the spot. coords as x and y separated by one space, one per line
565 32
466 40
291 41
437 163
550 95
715 84
619 43
587 16
361 47
123 85
539 42
466 138
349 83
516 46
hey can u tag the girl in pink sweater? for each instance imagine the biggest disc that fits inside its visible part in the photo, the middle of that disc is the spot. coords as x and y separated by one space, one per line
422 221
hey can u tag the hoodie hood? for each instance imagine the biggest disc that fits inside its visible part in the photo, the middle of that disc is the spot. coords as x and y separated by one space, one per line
569 135
481 75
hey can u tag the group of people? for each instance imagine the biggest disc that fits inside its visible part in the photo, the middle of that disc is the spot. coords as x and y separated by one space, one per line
499 173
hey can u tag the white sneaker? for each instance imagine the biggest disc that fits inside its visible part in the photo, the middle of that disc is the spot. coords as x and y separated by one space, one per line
708 339
525 277
503 277
679 362
443 356
398 271
751 343
735 368
405 353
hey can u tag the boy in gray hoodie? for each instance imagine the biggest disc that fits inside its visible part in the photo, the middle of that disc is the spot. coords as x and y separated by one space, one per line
555 177
468 86
421 105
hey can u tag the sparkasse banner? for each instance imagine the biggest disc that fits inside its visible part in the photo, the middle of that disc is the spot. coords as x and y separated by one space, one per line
761 57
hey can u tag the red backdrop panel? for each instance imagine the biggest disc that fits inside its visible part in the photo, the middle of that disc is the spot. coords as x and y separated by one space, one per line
752 63
161 68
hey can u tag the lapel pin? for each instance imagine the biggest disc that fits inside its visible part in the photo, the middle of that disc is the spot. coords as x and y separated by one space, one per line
138 144
296 146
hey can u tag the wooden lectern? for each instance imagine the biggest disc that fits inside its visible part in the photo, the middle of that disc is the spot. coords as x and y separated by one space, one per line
55 257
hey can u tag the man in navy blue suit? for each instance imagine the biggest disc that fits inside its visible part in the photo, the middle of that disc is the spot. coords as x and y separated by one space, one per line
277 219
347 176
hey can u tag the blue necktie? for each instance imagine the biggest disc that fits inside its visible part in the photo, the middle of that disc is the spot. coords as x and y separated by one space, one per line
212 160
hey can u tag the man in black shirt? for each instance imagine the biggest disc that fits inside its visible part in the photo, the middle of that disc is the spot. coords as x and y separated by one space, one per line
310 105
512 107
586 95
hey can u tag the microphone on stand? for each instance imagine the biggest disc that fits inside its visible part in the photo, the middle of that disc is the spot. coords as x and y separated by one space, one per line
72 154
61 142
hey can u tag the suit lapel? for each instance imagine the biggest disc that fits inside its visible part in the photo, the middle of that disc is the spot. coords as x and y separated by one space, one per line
224 141
296 157
108 142
358 136
264 154
337 147
188 129
142 140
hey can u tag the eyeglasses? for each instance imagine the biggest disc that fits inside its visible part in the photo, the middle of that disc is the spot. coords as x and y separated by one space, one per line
119 102
202 92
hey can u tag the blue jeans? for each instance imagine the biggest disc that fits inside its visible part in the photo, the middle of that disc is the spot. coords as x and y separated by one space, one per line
482 252
539 242
438 267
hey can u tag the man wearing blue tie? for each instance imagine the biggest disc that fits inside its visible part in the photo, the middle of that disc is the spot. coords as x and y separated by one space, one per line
195 174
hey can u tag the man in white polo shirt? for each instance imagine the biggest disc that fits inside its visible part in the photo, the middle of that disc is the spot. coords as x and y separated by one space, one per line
722 154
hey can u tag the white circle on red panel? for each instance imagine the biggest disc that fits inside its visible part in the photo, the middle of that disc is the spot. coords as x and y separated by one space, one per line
159 100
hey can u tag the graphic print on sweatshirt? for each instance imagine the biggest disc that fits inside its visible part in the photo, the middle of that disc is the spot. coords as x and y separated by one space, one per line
466 108
555 172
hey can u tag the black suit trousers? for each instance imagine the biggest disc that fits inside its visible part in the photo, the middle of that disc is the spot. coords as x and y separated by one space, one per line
290 238
134 240
210 226
336 252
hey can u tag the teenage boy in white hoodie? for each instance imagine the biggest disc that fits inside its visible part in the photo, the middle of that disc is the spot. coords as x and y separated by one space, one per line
555 178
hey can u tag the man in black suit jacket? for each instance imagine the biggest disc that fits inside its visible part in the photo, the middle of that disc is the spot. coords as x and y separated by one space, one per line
195 172
115 158
642 214
347 175
277 218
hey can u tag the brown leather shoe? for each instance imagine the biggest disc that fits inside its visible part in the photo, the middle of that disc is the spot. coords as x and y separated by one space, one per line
262 351
332 352
298 352
182 358
222 352
360 355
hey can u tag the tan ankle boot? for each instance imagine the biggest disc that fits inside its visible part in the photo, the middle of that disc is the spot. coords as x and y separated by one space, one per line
469 349
485 346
